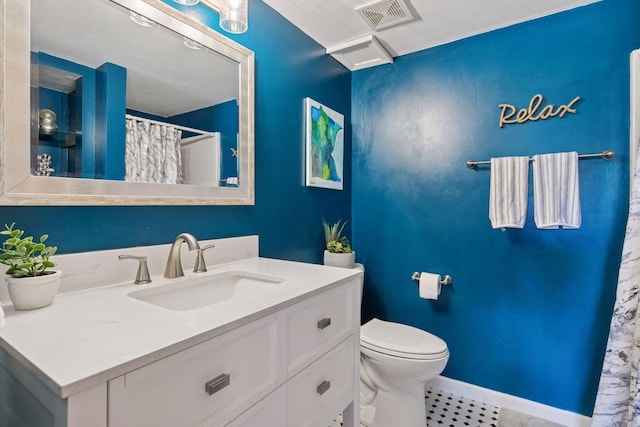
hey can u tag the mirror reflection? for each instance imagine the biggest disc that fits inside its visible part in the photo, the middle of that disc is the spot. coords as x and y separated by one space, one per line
117 96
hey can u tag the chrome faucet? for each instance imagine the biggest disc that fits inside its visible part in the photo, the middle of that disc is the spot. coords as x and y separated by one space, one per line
174 265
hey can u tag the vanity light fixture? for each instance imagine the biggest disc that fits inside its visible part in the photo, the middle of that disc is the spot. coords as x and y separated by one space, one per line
141 20
187 2
234 16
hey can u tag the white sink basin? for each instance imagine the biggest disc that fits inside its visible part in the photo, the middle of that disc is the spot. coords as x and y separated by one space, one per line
202 291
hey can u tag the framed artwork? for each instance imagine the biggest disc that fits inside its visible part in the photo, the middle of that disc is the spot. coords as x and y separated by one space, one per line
325 146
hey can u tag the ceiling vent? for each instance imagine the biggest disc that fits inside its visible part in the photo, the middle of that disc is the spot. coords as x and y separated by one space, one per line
385 13
362 53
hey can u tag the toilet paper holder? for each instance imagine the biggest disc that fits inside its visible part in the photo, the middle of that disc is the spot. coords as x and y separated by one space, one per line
447 280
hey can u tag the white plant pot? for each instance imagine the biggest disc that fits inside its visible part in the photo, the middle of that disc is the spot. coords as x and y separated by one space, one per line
28 293
340 260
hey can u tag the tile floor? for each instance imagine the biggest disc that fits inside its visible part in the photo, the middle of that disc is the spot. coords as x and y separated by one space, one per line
445 409
448 410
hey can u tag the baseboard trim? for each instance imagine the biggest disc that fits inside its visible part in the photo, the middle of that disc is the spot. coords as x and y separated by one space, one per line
496 398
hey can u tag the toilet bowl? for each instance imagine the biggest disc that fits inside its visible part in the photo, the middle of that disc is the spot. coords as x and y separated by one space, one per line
396 361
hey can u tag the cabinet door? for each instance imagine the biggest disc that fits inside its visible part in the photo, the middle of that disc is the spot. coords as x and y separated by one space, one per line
222 376
318 324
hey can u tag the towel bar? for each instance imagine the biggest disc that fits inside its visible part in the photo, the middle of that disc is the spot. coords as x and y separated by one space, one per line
447 280
606 155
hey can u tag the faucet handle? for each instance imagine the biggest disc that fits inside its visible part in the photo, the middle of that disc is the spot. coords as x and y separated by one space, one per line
142 276
200 266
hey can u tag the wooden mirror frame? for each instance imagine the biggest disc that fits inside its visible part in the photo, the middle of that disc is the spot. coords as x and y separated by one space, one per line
19 187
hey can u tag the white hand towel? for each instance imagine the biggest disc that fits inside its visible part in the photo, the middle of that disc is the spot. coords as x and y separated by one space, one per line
509 190
556 192
2 321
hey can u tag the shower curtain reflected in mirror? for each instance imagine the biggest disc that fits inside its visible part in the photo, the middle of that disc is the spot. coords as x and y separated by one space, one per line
618 399
152 153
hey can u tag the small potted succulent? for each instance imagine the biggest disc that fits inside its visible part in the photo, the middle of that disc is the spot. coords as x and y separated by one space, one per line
338 252
30 281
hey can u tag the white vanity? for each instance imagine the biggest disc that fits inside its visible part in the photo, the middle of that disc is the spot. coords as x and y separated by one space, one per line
284 355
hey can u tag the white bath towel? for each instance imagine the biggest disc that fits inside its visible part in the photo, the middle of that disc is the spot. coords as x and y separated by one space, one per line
556 193
509 192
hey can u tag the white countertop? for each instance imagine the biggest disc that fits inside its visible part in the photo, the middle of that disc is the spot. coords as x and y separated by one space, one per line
90 336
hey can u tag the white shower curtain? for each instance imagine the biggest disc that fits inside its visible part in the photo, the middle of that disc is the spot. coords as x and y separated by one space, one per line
152 153
618 399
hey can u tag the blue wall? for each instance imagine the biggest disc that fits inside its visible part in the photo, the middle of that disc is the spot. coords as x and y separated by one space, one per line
221 118
287 215
529 310
111 100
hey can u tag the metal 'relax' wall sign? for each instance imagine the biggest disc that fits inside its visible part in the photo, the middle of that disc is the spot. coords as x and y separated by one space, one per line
509 114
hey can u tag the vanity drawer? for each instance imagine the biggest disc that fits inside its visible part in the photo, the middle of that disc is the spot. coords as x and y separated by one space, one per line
318 324
323 389
174 392
269 412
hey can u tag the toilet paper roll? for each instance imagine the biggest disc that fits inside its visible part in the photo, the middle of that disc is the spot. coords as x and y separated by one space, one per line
429 285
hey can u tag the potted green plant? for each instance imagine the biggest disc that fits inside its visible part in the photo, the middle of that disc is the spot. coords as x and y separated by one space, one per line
30 281
338 252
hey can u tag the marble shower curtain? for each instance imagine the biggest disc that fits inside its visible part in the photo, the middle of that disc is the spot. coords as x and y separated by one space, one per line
618 399
152 153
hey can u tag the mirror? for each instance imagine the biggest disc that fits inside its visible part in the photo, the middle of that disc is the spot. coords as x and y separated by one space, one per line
67 135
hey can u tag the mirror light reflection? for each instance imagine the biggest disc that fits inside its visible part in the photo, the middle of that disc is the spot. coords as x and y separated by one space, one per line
116 96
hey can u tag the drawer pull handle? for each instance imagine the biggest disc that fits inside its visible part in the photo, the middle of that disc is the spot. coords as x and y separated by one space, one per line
217 384
323 387
324 323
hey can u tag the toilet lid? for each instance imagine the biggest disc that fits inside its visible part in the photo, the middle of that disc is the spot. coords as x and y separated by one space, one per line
401 340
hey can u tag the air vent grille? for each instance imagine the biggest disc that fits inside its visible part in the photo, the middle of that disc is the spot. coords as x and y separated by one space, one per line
383 14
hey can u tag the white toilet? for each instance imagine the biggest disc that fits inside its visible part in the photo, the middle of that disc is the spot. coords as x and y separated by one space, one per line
396 361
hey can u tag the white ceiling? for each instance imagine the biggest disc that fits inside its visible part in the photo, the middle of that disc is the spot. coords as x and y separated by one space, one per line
334 24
